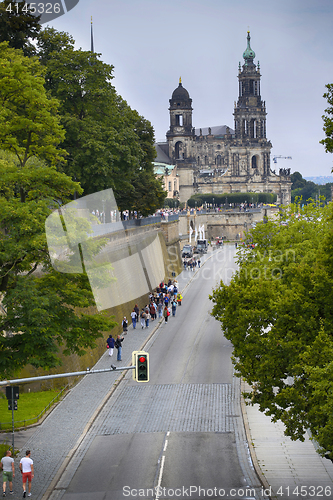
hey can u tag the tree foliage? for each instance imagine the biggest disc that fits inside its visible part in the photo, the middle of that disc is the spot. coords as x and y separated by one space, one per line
109 144
277 312
29 124
42 310
308 190
18 26
222 198
328 120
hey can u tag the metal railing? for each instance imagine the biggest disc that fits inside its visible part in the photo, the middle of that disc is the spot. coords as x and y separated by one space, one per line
8 425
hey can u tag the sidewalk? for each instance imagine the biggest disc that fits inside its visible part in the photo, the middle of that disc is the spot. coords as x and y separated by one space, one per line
290 469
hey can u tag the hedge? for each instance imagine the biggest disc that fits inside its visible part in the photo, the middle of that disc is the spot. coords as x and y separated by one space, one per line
237 198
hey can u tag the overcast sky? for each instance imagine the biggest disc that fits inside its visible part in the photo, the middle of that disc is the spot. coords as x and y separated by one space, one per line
152 43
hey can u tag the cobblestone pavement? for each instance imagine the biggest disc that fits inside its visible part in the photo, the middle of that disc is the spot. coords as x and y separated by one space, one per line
170 408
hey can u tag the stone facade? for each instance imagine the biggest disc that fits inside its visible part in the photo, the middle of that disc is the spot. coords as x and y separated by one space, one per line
221 159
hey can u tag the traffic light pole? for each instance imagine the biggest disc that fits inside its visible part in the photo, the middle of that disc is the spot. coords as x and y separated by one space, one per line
13 433
62 375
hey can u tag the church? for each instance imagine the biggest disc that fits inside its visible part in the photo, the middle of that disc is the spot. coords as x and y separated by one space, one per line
221 159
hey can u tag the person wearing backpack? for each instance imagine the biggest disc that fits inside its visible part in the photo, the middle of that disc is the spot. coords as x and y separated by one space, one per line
166 313
143 318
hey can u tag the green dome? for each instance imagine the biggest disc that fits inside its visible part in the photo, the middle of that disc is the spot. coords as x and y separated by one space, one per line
248 53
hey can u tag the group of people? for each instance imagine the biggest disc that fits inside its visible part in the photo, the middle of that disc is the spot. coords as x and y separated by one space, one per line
8 472
162 303
191 264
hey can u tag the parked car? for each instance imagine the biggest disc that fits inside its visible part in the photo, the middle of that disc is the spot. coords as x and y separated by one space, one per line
187 251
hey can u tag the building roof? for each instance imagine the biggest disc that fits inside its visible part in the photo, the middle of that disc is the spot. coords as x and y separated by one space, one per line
161 156
162 168
218 130
180 93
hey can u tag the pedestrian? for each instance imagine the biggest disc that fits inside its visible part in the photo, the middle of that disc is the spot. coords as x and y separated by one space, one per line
137 310
199 263
27 469
110 344
143 318
160 309
152 310
7 465
179 298
173 307
147 319
118 346
134 318
166 313
124 325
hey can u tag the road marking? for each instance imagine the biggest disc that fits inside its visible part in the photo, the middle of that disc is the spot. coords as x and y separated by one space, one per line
160 477
165 445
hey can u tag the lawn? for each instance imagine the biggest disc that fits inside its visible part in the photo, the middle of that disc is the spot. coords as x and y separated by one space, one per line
29 406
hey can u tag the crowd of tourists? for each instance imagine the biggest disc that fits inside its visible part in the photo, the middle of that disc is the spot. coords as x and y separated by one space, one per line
162 303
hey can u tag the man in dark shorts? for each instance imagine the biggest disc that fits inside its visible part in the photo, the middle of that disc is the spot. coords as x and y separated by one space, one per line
27 469
7 464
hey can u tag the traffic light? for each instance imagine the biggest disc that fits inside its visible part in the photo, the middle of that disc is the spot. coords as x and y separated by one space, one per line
141 362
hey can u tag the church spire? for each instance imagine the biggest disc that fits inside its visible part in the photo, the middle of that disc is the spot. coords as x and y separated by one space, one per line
91 37
248 54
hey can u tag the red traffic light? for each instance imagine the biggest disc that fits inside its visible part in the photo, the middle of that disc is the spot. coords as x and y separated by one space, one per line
142 359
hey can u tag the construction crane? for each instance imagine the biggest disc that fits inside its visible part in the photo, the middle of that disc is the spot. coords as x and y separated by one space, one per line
283 157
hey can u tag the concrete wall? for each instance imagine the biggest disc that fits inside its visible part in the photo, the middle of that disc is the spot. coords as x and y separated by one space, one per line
232 225
164 258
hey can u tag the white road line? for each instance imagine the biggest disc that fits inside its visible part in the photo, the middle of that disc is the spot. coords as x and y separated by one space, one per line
165 445
160 476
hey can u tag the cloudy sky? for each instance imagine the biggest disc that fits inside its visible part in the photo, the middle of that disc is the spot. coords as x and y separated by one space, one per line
152 43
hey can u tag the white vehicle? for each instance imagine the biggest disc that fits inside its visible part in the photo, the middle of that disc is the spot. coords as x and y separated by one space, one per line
202 246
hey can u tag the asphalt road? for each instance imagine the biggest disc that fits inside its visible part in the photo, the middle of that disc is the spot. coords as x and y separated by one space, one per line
176 436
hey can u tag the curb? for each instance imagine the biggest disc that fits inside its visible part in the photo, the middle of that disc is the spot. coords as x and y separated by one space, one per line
253 454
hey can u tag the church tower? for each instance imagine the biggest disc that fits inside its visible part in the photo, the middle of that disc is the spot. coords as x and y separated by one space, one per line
180 134
250 112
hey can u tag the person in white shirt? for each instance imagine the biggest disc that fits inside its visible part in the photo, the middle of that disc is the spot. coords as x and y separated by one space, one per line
7 464
27 469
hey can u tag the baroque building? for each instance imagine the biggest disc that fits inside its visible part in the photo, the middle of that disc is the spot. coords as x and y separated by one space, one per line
221 159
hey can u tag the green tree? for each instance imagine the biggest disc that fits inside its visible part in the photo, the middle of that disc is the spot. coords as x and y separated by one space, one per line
18 26
328 121
42 310
29 124
109 144
277 313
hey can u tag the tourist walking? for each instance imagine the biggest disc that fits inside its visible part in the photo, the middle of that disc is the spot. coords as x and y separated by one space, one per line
118 346
166 313
125 325
134 318
173 307
8 468
143 318
27 469
147 319
110 344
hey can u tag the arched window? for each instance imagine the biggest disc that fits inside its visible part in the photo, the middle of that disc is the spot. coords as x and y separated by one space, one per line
218 160
254 162
179 150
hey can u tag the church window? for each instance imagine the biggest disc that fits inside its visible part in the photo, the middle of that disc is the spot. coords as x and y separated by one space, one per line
179 150
179 120
218 160
254 162
198 161
169 185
